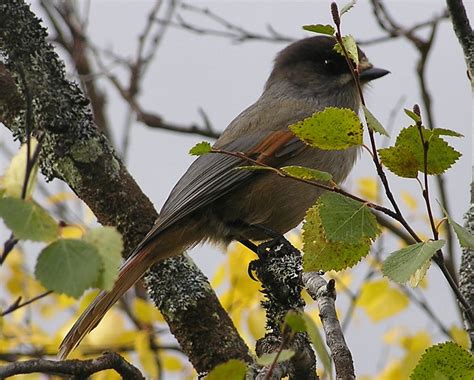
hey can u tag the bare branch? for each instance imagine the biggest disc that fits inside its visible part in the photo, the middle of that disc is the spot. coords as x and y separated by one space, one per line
228 29
79 368
17 304
324 293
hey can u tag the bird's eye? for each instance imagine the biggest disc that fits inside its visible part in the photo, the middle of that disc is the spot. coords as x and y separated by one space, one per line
327 62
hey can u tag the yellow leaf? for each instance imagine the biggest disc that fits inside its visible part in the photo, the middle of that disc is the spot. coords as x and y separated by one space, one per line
343 278
73 231
111 330
219 277
38 337
145 354
31 376
89 216
256 322
420 274
65 301
394 335
416 343
87 299
460 336
108 374
409 200
15 174
232 305
246 290
146 312
393 371
295 239
380 300
60 197
306 297
110 333
368 187
172 363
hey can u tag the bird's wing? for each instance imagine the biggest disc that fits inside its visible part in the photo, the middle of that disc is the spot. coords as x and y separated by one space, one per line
213 175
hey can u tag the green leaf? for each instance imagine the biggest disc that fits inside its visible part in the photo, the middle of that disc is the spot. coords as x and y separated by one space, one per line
346 220
267 359
321 254
27 220
446 132
200 149
373 123
331 129
320 28
307 173
346 8
295 321
318 344
401 265
400 160
233 370
465 237
68 266
14 177
444 361
351 48
407 157
440 155
412 115
109 245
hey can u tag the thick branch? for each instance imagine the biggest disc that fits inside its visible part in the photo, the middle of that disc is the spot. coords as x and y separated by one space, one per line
466 271
279 268
80 369
75 151
463 31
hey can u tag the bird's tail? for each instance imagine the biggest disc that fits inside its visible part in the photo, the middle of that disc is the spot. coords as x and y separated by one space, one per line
150 251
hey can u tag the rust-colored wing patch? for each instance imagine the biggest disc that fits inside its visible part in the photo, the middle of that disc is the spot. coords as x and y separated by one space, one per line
269 147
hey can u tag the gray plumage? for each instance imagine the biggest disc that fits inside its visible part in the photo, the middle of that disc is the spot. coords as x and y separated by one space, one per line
214 201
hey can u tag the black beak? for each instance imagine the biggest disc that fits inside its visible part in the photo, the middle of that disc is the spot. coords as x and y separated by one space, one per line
372 73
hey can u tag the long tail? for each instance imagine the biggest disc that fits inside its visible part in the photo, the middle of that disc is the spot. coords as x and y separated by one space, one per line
130 272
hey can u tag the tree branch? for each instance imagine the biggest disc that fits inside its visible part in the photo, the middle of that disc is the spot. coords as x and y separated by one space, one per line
324 293
279 268
80 369
463 31
75 151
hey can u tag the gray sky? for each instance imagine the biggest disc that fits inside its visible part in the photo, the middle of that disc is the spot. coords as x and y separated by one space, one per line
192 71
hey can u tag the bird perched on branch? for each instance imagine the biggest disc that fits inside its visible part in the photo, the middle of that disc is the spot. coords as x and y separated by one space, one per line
214 202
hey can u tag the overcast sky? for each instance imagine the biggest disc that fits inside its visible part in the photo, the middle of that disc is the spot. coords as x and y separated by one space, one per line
222 77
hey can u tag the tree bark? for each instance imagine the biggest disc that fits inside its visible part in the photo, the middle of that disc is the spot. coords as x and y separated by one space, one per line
75 151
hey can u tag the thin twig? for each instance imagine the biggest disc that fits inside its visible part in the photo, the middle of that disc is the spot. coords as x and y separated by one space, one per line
438 257
17 304
229 29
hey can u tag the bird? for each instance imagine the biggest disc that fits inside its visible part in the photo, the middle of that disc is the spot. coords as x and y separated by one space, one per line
215 203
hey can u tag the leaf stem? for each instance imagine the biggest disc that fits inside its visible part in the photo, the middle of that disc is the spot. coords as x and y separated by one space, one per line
355 74
439 257
425 189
